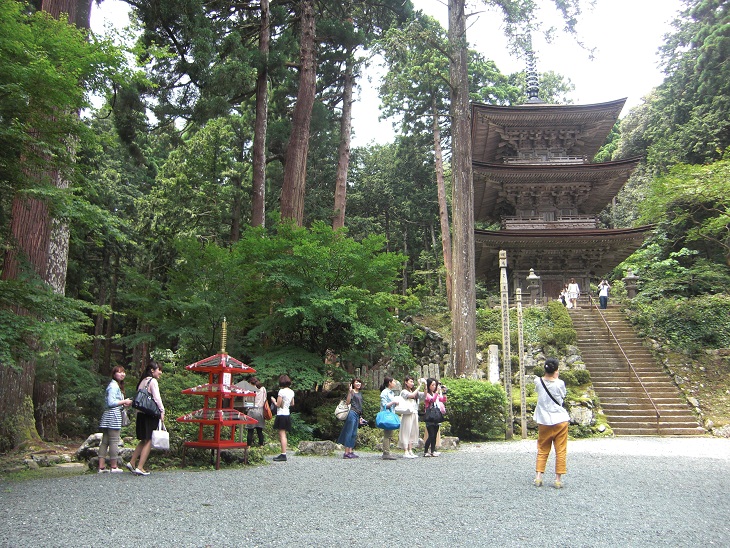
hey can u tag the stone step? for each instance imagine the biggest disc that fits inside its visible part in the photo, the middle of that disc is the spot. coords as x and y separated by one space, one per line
631 420
623 399
663 431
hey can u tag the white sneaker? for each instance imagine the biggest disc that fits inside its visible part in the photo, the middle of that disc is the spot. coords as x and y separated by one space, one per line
117 471
103 471
435 454
140 472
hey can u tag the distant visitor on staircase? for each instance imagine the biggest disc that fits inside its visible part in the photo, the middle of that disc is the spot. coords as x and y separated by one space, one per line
573 293
603 288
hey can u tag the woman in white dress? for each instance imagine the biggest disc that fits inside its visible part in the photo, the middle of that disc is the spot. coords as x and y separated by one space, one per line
573 293
408 436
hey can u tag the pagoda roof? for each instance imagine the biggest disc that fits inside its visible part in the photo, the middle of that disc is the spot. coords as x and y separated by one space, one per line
593 186
593 251
494 126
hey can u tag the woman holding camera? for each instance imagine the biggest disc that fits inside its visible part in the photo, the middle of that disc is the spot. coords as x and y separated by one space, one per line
552 422
348 436
434 397
408 436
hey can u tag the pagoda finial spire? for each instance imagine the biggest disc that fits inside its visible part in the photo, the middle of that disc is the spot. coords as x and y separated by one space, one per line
224 335
533 87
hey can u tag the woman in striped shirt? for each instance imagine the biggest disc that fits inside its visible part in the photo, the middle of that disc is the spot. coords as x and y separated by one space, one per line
111 421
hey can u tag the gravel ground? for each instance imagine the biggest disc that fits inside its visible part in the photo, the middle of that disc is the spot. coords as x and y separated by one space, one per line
618 492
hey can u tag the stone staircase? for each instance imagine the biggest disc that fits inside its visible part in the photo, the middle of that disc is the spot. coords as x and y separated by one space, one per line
625 404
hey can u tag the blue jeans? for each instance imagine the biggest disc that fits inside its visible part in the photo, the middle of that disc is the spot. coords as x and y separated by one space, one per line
604 302
348 436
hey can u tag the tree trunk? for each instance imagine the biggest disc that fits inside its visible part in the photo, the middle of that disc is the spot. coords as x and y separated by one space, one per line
110 322
443 206
237 205
30 230
258 191
463 312
43 243
295 170
98 343
343 162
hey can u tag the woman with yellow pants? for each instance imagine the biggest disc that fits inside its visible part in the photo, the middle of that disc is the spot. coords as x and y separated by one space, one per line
552 422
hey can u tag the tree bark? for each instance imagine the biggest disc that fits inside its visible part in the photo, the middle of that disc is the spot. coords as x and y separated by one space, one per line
237 205
43 243
295 170
343 156
443 206
258 191
463 312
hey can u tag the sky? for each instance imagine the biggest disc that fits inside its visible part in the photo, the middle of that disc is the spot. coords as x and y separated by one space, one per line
625 34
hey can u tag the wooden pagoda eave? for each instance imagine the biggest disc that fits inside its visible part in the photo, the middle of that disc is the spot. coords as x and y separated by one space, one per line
592 122
596 251
494 183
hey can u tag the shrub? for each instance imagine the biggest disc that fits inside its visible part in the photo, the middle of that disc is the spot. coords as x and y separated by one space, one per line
692 324
568 378
475 409
582 376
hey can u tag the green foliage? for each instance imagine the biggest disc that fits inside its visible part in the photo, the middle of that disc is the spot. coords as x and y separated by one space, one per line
690 324
582 376
693 205
475 409
568 378
304 368
558 331
57 323
543 326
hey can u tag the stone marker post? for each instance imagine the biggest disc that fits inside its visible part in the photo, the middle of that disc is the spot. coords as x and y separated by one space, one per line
506 358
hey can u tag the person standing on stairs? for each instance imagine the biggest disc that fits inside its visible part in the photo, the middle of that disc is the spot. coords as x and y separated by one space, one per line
573 293
552 423
603 288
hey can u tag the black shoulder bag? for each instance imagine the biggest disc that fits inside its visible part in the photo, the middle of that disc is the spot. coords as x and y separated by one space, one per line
144 403
549 394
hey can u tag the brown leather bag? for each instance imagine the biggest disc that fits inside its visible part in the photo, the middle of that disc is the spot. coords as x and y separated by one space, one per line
267 411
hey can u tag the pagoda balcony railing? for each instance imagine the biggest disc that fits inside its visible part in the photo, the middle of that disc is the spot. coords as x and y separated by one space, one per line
545 159
539 223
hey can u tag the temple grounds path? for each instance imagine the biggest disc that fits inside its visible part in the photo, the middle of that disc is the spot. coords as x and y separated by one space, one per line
618 492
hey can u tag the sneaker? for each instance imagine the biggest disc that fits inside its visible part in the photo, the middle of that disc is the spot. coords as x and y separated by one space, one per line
139 472
346 456
130 467
435 454
427 455
354 456
117 471
280 458
389 457
103 470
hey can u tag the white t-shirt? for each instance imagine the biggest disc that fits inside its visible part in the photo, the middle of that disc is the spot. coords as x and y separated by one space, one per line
286 395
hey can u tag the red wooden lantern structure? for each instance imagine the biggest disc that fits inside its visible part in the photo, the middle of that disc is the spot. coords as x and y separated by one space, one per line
219 391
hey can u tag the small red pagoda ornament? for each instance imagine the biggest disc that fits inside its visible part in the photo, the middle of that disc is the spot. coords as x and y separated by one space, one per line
220 368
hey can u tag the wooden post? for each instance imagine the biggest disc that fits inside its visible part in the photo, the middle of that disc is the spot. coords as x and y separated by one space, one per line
521 355
506 354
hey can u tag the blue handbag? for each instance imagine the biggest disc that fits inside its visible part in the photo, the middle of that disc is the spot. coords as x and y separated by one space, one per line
387 420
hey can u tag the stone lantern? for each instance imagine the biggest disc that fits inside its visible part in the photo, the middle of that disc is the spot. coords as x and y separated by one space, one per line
533 284
631 282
